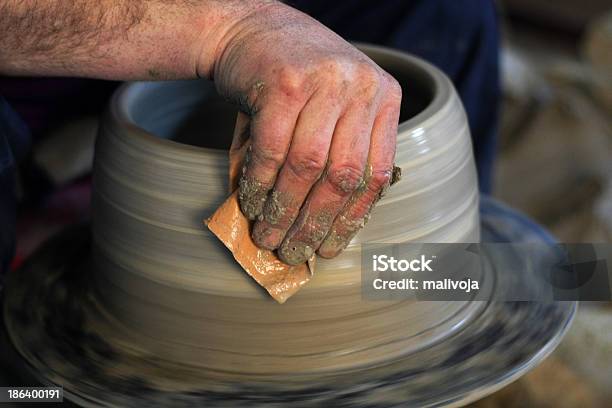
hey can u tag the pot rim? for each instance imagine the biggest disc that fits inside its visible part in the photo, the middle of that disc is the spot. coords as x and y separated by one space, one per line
437 83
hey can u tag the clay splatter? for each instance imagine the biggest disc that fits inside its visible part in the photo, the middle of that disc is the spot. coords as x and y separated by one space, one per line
296 252
311 232
396 174
252 194
341 234
276 207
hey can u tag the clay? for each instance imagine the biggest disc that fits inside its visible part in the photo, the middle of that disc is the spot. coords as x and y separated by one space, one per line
174 288
259 86
367 175
345 229
276 207
295 251
279 211
156 312
396 175
252 194
301 246
57 324
337 240
345 183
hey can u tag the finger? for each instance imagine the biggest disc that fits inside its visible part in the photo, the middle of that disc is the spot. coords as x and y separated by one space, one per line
345 167
271 131
241 133
378 176
305 162
237 150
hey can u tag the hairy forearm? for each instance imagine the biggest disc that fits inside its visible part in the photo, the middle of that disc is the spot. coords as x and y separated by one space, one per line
116 39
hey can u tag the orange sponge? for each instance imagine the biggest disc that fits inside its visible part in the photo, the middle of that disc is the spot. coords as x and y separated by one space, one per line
233 229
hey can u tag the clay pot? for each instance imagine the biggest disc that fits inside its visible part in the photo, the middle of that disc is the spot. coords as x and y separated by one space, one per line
161 167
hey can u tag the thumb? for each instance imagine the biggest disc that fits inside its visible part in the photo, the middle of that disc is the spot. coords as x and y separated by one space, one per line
238 149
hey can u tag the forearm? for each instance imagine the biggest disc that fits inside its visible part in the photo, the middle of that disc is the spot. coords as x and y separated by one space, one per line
116 39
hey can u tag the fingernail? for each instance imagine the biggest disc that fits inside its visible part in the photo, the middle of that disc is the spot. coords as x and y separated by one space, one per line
295 252
336 242
267 237
252 195
333 245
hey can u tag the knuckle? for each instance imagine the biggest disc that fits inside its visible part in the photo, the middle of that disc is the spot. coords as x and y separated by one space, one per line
345 179
309 165
370 79
369 91
360 209
290 82
379 179
334 67
279 210
268 157
333 78
394 91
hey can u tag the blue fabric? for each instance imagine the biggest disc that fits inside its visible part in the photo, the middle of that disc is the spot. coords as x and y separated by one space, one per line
459 37
14 141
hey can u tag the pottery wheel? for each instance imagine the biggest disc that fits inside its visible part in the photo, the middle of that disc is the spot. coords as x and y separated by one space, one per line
57 326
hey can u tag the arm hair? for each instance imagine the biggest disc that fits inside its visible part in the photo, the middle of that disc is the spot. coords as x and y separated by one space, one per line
115 39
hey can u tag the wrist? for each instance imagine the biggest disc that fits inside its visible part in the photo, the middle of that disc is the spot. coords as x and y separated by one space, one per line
226 28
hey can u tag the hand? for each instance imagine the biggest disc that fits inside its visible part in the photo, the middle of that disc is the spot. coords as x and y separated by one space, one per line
323 127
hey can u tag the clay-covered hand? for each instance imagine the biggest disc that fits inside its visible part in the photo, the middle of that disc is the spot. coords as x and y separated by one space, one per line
323 130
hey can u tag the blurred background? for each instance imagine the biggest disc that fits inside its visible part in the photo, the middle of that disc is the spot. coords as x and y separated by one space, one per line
554 164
